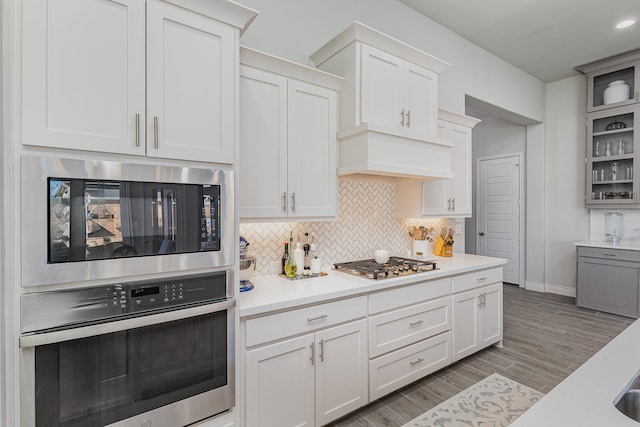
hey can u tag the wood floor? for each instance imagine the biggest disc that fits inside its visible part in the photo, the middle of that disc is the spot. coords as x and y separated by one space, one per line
546 337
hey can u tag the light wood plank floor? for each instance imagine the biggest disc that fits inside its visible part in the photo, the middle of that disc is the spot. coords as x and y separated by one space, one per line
546 337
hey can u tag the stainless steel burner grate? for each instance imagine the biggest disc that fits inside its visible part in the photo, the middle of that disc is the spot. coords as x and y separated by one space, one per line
396 266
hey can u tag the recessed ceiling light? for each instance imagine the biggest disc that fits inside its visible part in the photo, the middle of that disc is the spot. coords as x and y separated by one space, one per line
626 23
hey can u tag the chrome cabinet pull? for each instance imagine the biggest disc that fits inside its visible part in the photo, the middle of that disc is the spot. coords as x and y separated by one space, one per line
402 115
480 300
408 118
284 202
606 254
293 202
481 279
484 300
322 350
320 317
137 130
416 323
415 362
454 204
313 353
155 132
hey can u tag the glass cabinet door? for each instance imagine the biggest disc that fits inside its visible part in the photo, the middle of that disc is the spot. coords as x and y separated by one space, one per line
613 86
612 178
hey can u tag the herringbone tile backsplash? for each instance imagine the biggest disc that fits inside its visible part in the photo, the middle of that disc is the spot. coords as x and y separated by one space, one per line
366 222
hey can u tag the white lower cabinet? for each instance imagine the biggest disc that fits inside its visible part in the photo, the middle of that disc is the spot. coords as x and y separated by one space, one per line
477 319
309 380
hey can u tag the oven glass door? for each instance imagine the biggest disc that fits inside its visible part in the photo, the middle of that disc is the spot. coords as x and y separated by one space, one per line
99 380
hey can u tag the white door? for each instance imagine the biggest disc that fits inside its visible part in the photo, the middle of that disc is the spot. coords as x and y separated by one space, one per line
312 132
491 312
341 371
191 91
83 81
466 328
381 98
280 385
421 101
263 144
499 213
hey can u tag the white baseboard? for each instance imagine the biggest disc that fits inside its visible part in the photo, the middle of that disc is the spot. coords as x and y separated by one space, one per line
534 286
551 288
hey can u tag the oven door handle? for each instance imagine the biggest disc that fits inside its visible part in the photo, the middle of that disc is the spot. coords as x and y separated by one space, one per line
84 331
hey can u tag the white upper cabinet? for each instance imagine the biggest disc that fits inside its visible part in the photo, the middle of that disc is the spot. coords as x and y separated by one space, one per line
446 197
398 96
388 105
288 126
132 77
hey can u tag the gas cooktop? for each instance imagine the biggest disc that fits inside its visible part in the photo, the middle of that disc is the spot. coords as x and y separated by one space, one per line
396 266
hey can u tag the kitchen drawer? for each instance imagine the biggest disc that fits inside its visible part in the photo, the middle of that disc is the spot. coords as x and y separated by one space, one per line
618 254
407 295
393 330
395 370
260 330
464 282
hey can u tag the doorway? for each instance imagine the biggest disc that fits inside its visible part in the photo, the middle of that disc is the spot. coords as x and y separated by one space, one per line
499 219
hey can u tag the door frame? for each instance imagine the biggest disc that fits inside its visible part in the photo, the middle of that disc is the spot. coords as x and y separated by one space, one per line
521 206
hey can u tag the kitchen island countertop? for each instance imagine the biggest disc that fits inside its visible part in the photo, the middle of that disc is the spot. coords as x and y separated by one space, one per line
272 293
587 397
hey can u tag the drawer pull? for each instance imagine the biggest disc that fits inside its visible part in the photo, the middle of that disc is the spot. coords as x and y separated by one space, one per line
322 350
605 254
313 354
481 279
416 323
415 362
322 316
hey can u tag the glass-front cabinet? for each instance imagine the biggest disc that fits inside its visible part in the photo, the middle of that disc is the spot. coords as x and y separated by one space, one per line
613 86
612 158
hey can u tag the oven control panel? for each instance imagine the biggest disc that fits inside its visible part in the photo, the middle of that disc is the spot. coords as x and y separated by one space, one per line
56 309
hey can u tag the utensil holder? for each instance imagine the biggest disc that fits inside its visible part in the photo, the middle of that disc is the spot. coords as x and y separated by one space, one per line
420 246
443 247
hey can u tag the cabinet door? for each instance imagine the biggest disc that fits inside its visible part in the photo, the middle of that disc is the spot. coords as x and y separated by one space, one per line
263 144
312 175
597 290
420 87
459 188
599 81
83 81
491 312
466 327
191 83
341 371
436 200
381 100
279 384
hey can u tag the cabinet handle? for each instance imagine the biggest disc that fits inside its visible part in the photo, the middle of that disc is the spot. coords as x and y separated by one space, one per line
480 300
484 300
322 350
402 115
320 317
416 323
155 132
449 205
454 204
481 279
605 254
415 362
293 202
637 96
284 202
408 118
313 354
137 130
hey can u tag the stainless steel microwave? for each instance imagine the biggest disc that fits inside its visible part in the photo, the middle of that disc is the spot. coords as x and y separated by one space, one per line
86 220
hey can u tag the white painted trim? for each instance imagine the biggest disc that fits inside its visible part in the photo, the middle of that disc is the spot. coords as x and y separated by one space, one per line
568 291
534 286
521 207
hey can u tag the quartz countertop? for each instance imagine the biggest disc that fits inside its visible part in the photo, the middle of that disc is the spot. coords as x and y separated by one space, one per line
630 246
586 397
272 293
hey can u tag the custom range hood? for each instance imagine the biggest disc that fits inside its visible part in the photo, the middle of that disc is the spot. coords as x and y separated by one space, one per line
388 106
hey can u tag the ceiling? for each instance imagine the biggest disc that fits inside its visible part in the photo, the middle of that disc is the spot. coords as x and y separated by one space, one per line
545 38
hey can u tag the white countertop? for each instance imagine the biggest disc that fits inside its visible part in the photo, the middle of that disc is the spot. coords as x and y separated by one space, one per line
273 293
630 246
587 396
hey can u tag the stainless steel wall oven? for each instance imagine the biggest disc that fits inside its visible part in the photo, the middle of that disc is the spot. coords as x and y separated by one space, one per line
84 220
156 353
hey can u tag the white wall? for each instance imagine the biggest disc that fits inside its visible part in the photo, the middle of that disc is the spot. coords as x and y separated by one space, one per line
491 137
566 218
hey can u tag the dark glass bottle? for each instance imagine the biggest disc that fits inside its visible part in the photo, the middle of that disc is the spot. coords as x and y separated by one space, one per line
285 255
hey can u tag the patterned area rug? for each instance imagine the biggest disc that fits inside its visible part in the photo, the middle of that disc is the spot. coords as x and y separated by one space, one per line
493 402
